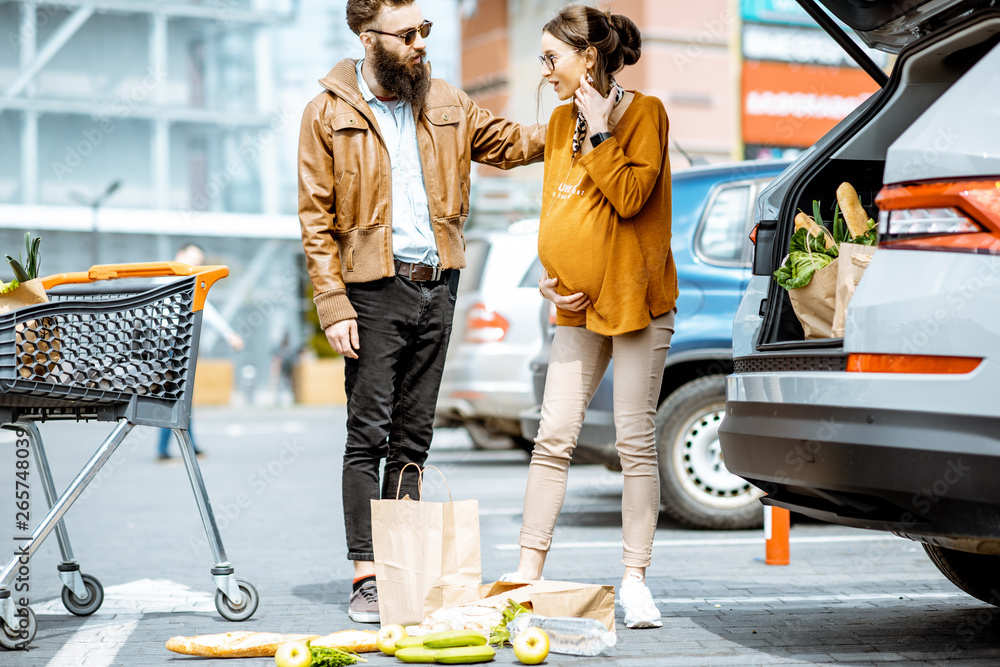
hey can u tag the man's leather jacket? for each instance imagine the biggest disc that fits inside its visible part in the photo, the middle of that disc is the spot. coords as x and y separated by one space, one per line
345 181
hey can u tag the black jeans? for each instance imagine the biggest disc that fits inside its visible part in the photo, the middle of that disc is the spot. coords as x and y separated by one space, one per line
392 389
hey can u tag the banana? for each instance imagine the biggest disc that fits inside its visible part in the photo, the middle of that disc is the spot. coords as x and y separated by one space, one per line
465 655
409 642
452 638
417 654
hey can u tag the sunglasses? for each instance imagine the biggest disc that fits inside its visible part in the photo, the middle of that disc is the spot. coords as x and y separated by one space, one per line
549 61
410 35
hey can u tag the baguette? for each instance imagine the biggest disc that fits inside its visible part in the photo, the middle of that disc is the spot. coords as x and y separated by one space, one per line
850 205
233 644
358 641
803 221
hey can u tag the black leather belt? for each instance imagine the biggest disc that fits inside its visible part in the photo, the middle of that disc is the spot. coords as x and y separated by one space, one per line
419 272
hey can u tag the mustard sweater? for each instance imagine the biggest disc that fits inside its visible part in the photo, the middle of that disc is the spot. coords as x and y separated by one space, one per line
605 223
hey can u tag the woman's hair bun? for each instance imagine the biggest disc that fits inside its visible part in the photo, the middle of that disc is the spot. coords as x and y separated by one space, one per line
629 38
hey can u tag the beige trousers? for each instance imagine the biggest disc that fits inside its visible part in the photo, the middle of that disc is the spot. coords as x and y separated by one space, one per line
577 363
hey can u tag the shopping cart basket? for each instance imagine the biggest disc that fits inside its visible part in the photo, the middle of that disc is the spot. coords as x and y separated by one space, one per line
110 351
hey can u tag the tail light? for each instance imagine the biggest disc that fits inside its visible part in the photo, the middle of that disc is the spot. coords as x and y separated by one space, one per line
553 313
960 216
483 325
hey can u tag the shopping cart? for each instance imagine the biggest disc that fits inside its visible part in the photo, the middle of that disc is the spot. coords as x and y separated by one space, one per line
111 351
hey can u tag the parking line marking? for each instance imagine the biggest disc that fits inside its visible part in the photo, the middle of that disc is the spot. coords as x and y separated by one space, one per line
720 542
95 644
861 597
567 509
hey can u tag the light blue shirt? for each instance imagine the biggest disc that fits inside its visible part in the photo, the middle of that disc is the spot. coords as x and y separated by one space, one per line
412 234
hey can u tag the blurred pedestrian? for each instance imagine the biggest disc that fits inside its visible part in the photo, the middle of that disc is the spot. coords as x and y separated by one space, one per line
604 241
384 168
193 255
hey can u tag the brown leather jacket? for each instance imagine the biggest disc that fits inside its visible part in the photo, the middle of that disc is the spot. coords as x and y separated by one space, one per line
345 180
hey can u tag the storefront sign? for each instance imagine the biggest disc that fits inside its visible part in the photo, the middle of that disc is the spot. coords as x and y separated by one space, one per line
794 105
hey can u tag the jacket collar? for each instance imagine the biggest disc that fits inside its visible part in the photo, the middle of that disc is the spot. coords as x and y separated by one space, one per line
343 81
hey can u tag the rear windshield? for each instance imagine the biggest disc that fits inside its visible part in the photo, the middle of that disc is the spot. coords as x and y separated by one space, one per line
476 252
870 14
532 275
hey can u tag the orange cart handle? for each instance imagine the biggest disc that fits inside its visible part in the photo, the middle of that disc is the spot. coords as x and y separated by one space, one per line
208 275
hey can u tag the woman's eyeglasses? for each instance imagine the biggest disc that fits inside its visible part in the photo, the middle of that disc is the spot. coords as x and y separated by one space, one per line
410 35
549 60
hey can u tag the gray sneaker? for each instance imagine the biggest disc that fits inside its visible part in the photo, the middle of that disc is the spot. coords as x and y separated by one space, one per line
363 607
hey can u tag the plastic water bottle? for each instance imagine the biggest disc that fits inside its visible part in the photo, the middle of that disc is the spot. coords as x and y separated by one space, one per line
572 636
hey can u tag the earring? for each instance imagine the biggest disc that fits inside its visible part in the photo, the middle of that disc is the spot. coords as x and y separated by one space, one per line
590 78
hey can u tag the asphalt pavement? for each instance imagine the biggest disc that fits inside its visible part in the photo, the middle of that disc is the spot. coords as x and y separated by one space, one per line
848 597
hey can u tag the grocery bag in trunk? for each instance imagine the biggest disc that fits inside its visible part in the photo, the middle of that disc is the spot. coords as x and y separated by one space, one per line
851 264
815 303
427 554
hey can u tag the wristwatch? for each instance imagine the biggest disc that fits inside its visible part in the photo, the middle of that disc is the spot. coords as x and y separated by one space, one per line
596 139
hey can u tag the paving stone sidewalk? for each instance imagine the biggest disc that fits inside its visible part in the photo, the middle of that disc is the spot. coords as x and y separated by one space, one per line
848 597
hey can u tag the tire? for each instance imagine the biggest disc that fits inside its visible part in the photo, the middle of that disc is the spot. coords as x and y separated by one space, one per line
12 639
695 487
976 574
88 605
245 610
485 439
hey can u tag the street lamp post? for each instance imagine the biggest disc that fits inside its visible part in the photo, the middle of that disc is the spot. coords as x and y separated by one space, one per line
95 203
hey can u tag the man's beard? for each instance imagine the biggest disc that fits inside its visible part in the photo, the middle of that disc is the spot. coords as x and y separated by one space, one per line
409 82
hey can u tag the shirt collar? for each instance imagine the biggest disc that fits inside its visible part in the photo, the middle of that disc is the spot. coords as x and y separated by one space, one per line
366 92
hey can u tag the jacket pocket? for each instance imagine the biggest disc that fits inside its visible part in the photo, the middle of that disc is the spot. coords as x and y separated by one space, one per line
349 120
346 193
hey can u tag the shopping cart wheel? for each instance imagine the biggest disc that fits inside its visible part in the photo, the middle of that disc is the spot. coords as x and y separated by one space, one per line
88 605
245 610
19 638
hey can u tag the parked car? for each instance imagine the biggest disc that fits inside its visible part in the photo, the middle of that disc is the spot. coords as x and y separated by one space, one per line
711 221
894 426
487 380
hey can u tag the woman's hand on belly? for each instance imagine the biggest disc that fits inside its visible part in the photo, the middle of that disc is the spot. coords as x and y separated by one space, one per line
573 302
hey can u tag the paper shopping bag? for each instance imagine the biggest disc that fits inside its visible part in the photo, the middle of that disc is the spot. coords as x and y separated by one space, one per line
544 597
427 555
37 340
851 264
814 304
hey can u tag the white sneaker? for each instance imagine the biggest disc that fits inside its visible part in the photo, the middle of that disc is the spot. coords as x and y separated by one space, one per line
515 578
637 602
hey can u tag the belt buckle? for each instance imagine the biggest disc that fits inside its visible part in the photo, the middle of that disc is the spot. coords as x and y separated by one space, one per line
435 274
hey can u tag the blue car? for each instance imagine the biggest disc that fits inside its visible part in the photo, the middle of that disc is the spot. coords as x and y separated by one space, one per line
712 216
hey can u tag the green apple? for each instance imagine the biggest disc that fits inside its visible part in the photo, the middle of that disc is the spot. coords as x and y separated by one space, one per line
293 654
387 637
531 646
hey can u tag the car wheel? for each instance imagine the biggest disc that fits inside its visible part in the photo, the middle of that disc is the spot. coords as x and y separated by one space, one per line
486 439
696 488
976 574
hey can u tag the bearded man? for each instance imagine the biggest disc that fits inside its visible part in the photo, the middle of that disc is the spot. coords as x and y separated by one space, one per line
385 153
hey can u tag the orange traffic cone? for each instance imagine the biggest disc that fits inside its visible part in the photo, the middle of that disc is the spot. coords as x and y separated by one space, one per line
776 523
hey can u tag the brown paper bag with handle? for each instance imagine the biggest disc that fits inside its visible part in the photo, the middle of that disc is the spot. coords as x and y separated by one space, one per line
427 554
851 264
814 304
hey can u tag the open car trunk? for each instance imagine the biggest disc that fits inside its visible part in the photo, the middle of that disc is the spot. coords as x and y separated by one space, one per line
855 152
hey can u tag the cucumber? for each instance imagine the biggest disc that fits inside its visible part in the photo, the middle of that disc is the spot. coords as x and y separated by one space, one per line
465 655
452 638
417 654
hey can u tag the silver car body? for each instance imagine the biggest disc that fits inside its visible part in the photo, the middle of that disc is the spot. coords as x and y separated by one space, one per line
487 380
912 453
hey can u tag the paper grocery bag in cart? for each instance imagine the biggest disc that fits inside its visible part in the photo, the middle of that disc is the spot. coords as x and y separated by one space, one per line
37 340
427 554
